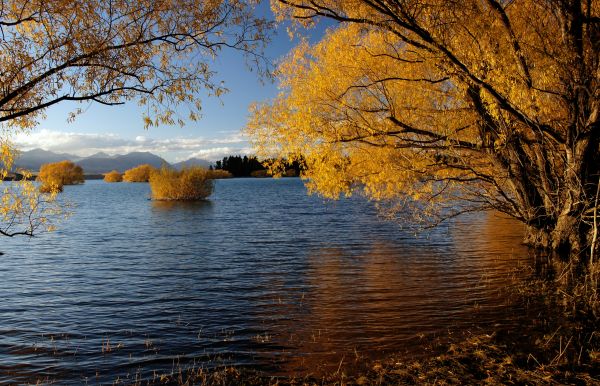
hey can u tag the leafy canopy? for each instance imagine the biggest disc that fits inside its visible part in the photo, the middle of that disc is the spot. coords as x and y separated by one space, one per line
158 53
436 108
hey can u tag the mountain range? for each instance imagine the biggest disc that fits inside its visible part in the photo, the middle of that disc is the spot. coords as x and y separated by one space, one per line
100 162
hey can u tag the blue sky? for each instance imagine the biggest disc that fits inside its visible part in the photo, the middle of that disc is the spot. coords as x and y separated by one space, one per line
119 129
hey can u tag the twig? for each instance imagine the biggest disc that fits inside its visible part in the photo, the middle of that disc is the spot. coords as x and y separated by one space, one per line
562 351
340 366
595 229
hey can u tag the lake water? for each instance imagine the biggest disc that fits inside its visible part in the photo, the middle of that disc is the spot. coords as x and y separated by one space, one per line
262 275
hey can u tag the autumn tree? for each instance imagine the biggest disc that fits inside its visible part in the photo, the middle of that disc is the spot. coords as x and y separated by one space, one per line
437 108
139 173
113 176
54 176
158 53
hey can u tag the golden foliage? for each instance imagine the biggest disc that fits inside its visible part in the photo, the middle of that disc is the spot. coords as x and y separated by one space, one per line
24 210
189 184
54 176
113 176
139 173
158 52
51 188
437 108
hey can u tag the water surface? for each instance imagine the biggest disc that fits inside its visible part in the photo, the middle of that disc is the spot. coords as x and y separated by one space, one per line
262 275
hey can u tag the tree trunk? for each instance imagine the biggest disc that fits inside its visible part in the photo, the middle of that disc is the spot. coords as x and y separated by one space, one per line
568 239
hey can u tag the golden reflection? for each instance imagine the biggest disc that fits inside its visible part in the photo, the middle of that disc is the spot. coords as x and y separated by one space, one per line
181 205
388 297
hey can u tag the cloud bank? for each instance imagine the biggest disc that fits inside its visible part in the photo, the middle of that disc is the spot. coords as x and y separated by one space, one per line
173 149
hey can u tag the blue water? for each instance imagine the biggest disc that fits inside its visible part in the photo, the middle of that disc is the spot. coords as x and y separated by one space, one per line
261 275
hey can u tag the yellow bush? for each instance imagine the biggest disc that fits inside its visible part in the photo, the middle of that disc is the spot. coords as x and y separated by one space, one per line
290 173
113 176
189 184
260 174
51 188
54 175
139 173
219 174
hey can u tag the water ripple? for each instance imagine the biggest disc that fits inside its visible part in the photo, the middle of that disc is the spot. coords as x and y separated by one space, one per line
261 275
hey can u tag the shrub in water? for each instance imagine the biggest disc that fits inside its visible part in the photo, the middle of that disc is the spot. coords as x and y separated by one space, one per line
54 175
219 174
139 173
189 184
113 176
260 174
50 188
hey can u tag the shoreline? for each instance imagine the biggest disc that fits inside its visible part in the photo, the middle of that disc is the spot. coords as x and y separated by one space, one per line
558 345
554 348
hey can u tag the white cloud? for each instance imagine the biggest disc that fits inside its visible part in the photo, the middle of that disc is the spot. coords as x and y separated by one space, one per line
217 153
172 149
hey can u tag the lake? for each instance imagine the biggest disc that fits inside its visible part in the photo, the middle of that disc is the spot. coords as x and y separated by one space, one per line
261 275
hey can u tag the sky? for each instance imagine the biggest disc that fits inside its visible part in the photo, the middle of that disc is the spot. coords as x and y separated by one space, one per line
120 129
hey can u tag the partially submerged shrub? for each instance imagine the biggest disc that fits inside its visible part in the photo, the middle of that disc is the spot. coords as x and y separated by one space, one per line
260 174
50 188
54 175
139 173
189 184
290 173
113 176
219 174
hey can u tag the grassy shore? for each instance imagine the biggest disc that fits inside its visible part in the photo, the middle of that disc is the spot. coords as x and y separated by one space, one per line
561 345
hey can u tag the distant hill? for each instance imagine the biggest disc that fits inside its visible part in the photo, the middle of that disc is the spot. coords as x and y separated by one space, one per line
33 159
100 162
100 154
121 163
192 162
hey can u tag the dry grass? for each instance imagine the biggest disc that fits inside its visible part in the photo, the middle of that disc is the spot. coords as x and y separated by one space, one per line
189 184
